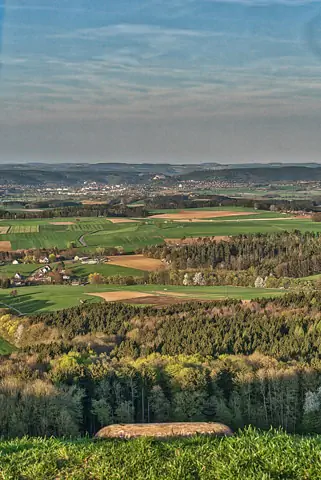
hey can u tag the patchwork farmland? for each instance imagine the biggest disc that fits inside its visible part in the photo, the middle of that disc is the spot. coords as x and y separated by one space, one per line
89 233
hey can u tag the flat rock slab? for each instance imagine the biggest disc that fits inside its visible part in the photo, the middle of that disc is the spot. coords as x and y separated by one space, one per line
164 430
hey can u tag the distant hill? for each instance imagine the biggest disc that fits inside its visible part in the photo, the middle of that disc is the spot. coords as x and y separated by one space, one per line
141 173
263 174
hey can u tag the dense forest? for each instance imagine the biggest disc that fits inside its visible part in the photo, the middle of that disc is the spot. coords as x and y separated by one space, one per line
239 363
286 328
284 254
76 393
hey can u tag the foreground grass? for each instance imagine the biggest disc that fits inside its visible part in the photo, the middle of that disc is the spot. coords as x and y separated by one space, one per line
251 455
43 298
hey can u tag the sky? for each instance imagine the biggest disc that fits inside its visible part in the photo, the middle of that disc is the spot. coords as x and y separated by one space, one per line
181 81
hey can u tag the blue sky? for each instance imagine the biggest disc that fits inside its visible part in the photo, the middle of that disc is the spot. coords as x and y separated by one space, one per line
160 80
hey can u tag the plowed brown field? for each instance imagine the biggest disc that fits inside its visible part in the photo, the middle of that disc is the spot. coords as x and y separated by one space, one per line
137 261
5 246
119 295
199 214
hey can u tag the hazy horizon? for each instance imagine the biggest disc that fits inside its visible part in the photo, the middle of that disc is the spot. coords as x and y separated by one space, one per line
160 81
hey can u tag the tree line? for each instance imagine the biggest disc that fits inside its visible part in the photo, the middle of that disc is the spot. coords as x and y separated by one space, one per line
185 201
284 254
74 394
108 210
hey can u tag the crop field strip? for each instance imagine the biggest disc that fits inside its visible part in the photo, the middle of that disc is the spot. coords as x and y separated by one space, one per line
24 229
88 227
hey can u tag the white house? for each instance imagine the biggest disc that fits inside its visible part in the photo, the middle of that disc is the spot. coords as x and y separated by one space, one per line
44 260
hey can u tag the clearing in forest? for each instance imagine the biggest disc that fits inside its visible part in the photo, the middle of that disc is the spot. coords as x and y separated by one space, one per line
199 214
140 262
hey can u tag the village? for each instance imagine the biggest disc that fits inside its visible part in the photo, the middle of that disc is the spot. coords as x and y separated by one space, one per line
51 269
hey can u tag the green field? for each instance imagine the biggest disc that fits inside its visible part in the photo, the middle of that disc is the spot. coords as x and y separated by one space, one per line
46 238
5 347
249 455
24 269
129 236
42 298
99 232
105 269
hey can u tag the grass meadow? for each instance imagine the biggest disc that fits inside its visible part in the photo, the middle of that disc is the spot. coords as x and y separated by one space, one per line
249 455
42 298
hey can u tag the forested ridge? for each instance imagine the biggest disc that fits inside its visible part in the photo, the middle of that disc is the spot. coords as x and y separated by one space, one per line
287 328
284 254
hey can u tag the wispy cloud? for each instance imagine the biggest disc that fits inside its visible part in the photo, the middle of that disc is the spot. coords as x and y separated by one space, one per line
157 59
121 30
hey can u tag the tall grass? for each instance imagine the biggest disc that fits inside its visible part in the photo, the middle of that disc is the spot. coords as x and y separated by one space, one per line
250 455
